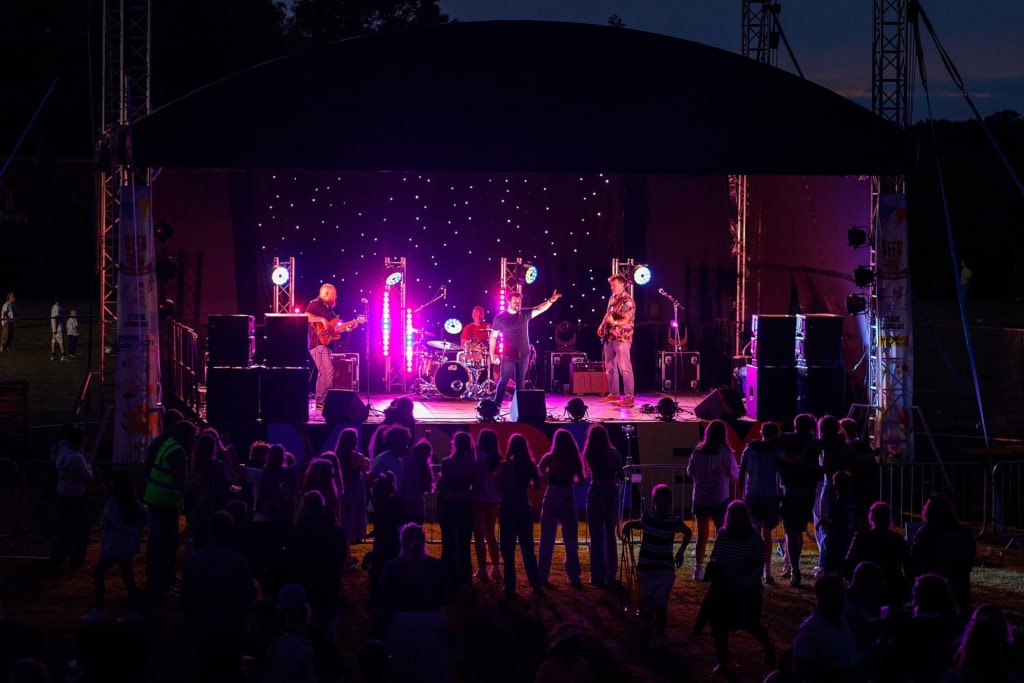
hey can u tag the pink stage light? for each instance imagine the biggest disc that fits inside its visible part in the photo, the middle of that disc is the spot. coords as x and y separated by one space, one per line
385 323
408 340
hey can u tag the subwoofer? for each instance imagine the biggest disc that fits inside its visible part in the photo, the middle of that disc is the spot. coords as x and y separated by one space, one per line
720 404
287 340
528 406
344 406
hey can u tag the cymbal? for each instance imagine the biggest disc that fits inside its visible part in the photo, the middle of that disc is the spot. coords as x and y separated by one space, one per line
423 332
444 345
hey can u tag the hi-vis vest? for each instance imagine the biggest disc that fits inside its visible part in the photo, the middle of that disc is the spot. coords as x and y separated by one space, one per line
161 489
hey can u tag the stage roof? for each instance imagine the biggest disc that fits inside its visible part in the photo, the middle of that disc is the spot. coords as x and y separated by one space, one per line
522 96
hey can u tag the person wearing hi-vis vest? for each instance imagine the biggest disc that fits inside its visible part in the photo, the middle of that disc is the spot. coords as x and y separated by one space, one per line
166 461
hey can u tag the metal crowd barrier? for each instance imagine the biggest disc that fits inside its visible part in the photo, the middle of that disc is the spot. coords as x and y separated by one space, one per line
905 486
1007 501
185 365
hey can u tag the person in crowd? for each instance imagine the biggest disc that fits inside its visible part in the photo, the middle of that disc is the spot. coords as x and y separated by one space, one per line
923 645
417 480
216 594
317 551
839 524
71 327
400 412
121 524
373 662
164 497
713 468
864 470
206 488
798 476
863 604
656 564
74 474
824 647
274 488
320 477
943 546
397 440
29 670
736 603
565 662
354 467
616 333
8 320
56 332
986 650
388 518
563 467
241 530
486 498
886 548
287 657
835 455
758 475
407 612
300 628
514 325
455 508
516 475
605 464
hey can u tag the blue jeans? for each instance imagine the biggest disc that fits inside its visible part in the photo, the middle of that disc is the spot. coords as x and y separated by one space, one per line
325 378
616 363
559 509
603 522
515 523
514 370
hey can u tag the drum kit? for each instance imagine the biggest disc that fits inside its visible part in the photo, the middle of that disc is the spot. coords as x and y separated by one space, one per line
454 371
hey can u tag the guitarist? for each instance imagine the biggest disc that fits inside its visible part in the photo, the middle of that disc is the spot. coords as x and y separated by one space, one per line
322 318
616 332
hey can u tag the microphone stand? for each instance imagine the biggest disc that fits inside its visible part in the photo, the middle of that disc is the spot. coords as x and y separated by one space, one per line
675 351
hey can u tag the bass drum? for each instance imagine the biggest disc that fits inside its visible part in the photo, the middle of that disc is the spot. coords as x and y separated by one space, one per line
452 380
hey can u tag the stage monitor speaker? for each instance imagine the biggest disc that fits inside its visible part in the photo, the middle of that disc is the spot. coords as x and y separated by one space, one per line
772 393
230 340
284 394
287 340
344 406
528 406
721 404
232 395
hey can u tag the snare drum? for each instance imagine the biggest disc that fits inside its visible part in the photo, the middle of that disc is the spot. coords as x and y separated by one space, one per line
429 365
451 379
474 352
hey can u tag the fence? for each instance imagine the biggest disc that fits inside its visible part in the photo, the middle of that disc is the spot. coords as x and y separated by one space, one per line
183 365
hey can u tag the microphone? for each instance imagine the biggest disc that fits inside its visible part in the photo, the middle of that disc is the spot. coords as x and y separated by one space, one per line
667 295
444 292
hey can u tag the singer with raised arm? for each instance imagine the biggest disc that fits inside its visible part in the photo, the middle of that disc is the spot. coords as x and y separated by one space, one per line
513 325
324 328
616 332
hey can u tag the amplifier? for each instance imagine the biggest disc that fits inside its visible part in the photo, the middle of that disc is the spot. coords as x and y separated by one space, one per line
588 378
346 371
558 367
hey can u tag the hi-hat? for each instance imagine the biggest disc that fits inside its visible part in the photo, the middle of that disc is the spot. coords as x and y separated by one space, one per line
444 345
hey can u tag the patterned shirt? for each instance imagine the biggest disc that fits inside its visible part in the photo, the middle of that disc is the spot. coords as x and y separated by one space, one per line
623 310
659 535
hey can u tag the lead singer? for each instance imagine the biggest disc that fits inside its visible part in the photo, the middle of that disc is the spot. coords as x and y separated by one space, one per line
514 324
616 332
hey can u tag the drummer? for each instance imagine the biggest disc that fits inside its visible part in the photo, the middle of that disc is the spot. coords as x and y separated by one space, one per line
476 330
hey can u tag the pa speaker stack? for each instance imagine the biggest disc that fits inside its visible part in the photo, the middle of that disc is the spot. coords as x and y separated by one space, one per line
772 375
819 354
284 389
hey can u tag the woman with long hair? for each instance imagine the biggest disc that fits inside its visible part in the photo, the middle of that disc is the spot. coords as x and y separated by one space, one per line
563 467
206 490
485 499
516 475
354 466
456 508
320 477
712 468
605 464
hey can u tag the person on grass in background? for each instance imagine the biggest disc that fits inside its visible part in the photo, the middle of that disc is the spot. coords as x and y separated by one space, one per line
713 468
759 474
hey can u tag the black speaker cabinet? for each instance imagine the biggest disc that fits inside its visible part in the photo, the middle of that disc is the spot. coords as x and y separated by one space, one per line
344 406
231 340
286 338
588 378
232 395
721 404
346 371
528 406
819 339
822 390
284 394
772 393
774 339
559 363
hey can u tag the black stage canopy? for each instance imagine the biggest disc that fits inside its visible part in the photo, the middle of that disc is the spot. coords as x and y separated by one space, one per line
522 96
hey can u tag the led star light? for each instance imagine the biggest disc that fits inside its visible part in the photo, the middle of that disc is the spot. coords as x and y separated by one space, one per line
279 276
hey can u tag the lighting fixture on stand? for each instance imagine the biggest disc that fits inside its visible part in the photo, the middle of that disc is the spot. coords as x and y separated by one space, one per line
282 276
488 411
576 409
667 409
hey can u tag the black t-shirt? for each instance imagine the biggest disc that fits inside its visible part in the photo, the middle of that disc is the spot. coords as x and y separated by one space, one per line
318 307
514 328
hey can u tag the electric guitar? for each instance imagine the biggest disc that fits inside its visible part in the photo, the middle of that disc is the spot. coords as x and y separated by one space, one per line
605 327
332 330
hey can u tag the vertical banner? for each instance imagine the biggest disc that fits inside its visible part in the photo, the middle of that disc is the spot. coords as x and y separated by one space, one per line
895 349
137 378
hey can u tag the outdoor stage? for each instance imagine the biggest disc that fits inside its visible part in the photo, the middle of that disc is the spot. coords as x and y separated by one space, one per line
638 432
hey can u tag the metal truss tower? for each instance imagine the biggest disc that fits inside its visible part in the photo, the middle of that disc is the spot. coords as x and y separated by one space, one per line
890 352
760 42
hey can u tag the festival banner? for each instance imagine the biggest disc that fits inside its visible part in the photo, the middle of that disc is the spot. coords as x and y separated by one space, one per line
137 378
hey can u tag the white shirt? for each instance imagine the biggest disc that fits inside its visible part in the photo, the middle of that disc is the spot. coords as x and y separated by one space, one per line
72 326
54 317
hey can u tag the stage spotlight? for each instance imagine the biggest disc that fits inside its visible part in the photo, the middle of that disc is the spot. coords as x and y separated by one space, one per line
856 304
165 308
453 326
641 274
856 237
488 410
577 409
864 276
565 336
279 276
667 409
163 230
394 276
530 275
